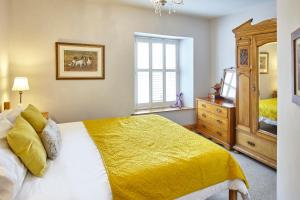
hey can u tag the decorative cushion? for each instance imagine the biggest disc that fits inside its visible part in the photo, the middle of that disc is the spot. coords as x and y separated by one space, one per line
51 139
26 144
5 126
35 118
12 172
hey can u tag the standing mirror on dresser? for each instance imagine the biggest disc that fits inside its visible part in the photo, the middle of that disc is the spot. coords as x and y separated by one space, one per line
256 101
229 84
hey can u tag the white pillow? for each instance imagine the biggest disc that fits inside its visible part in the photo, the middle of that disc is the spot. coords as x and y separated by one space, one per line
12 172
5 126
4 113
12 114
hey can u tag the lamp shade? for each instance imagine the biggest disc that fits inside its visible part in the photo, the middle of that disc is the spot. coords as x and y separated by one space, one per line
20 84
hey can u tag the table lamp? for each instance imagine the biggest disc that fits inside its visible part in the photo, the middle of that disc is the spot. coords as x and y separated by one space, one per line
20 84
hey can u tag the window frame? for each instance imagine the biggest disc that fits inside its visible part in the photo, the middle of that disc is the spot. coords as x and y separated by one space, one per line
164 41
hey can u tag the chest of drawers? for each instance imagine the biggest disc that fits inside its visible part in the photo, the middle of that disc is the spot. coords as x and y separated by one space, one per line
216 120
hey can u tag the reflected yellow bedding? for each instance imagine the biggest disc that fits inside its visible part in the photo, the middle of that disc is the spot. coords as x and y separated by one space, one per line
268 108
150 157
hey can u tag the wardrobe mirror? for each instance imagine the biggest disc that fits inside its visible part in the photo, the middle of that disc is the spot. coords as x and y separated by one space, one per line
267 74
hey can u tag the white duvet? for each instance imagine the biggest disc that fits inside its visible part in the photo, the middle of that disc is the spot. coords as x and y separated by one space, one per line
78 173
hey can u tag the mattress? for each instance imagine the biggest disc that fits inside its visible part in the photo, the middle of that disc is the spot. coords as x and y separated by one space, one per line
79 173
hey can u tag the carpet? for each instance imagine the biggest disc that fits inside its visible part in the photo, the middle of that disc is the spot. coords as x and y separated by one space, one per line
262 180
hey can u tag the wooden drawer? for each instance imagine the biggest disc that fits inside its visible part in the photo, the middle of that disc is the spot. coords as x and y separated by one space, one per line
211 130
212 119
216 120
218 110
261 146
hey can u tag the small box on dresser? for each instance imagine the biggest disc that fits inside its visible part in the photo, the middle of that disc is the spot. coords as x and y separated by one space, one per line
216 120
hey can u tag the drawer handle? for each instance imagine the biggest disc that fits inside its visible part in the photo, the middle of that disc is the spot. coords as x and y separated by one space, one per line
204 115
251 143
219 110
203 105
219 121
219 133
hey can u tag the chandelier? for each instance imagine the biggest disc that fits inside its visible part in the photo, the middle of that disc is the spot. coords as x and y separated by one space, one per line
171 5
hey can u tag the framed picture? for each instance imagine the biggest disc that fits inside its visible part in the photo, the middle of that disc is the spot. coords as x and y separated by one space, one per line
296 66
263 62
79 61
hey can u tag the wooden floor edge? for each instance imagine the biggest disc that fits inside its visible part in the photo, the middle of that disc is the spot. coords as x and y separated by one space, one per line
233 195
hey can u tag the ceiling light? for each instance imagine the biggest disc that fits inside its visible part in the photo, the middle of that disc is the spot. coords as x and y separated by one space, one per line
170 5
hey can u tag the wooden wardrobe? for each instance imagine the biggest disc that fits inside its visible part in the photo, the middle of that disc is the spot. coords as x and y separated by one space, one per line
250 140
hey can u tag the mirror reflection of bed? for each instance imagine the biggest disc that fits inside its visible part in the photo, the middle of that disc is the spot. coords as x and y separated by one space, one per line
268 87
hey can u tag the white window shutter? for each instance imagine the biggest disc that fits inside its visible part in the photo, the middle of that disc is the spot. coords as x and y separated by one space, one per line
171 86
143 87
157 87
142 55
156 72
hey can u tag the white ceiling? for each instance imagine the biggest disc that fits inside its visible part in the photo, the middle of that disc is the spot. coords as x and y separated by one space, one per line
206 8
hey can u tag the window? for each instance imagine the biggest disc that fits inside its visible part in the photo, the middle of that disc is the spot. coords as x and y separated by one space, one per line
156 74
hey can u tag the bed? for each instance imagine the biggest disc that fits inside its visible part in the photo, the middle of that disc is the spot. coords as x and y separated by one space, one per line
80 172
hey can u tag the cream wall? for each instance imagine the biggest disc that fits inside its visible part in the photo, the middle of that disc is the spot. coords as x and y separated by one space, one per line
35 26
268 82
4 72
288 112
223 40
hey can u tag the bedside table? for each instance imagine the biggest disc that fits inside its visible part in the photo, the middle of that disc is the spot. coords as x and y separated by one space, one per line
45 114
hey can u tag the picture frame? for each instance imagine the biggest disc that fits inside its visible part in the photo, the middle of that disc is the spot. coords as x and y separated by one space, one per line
296 66
263 63
75 61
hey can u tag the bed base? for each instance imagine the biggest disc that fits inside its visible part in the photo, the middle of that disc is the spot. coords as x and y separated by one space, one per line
233 195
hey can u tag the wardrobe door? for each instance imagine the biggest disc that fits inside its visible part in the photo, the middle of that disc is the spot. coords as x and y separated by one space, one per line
243 81
243 100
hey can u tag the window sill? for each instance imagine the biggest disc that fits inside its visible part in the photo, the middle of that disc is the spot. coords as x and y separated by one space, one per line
160 110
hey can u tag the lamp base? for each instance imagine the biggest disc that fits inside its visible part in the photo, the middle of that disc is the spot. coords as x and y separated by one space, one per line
20 93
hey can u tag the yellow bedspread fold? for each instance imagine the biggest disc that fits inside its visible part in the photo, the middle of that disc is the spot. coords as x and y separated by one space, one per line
268 108
150 157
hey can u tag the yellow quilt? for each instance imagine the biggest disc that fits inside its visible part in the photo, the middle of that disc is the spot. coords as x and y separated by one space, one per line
268 108
150 157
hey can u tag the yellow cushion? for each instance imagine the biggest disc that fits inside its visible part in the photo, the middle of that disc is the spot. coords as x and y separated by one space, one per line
35 118
26 144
